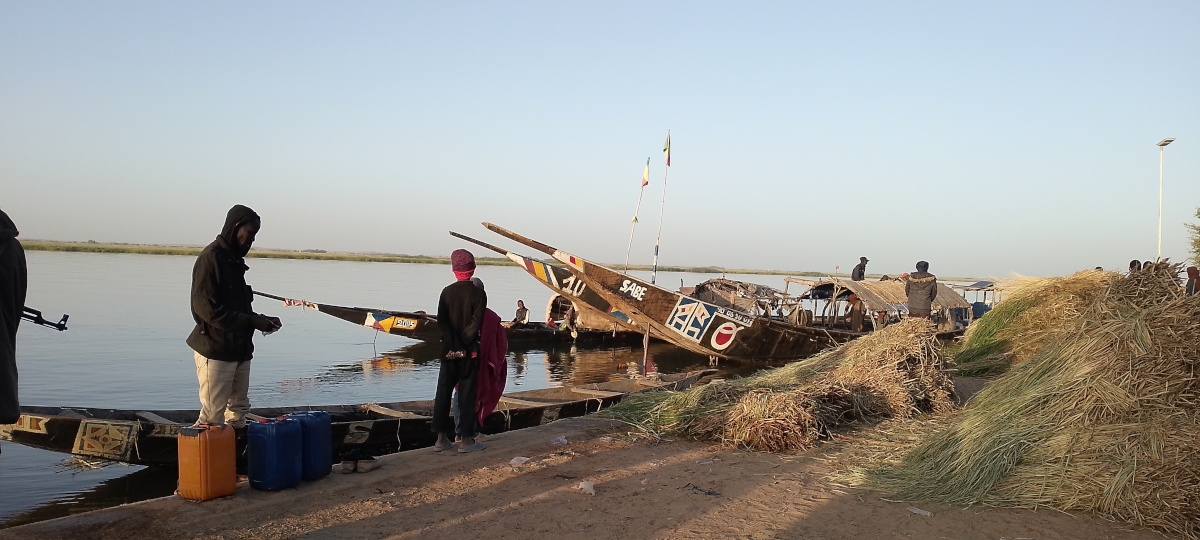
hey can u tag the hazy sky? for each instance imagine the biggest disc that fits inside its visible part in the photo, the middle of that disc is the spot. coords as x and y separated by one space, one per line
984 137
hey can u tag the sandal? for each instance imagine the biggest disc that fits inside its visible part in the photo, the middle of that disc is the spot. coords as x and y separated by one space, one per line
367 464
473 448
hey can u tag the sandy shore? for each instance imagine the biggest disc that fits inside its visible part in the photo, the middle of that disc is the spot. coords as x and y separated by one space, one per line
680 489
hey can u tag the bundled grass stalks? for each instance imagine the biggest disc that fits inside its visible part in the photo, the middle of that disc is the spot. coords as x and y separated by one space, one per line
896 372
1104 419
1033 313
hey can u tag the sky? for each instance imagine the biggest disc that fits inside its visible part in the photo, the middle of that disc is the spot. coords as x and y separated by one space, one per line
988 138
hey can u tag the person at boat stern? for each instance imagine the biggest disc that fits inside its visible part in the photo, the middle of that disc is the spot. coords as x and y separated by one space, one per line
225 322
460 317
522 315
860 271
13 282
921 288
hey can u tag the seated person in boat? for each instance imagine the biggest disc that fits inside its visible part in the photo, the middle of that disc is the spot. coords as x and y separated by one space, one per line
521 318
460 318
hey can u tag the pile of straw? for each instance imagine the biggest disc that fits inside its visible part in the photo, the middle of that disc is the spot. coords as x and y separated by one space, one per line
1104 418
896 372
1030 316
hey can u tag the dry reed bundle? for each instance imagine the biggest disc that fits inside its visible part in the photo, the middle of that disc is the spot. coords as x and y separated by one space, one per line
1104 419
1031 315
896 372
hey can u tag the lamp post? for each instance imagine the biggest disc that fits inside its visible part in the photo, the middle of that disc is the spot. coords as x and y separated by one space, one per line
1161 144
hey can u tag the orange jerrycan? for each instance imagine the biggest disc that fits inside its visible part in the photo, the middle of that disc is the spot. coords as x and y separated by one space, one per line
207 467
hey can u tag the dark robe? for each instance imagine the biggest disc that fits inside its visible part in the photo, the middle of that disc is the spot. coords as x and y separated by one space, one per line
13 281
493 365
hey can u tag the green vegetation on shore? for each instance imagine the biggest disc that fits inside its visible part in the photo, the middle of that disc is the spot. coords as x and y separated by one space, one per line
149 249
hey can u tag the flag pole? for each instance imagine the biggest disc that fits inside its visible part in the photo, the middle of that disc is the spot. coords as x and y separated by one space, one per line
641 191
666 170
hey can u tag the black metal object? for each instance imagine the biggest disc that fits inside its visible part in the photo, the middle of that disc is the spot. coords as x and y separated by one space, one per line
34 316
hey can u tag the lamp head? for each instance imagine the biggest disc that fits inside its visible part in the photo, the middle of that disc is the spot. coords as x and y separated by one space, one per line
1165 142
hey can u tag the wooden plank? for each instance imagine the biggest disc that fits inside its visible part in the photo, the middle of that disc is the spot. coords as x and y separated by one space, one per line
253 417
597 393
146 415
523 403
380 409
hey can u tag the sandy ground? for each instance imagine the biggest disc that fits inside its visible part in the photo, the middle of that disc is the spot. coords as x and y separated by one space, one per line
679 489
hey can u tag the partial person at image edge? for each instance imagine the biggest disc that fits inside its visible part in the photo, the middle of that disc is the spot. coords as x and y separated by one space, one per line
13 283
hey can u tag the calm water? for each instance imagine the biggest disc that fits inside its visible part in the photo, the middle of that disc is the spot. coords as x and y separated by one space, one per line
125 349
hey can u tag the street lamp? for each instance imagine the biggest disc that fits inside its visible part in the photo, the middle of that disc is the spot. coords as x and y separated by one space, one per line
1161 144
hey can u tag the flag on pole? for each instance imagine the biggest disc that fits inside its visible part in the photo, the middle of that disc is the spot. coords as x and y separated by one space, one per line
667 148
646 174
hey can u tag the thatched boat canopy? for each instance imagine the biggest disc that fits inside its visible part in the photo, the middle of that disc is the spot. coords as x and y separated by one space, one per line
887 295
739 295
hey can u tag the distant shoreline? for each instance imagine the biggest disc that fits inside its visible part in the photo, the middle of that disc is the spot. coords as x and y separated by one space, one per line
154 249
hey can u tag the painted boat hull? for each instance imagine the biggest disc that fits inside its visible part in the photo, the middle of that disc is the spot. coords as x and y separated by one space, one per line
150 439
690 323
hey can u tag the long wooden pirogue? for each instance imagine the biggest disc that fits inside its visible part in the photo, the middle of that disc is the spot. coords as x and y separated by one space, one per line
148 437
423 327
690 323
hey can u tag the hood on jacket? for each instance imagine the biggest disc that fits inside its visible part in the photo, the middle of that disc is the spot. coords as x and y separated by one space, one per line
7 228
238 215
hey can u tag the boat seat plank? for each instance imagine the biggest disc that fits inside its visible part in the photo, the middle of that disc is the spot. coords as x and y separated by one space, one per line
597 393
254 417
154 418
380 409
522 402
648 383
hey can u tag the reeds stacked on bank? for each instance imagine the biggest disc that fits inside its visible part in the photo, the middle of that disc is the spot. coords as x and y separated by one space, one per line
1104 417
1030 316
896 372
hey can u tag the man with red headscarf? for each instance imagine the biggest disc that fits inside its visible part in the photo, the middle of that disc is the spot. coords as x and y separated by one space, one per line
1193 282
460 316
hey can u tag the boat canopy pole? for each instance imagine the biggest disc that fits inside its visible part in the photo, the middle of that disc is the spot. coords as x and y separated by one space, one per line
641 191
666 170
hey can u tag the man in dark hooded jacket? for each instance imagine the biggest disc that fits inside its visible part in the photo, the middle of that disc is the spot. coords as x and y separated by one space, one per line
225 322
921 288
13 279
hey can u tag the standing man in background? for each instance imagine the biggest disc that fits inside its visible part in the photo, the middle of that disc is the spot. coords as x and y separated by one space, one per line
921 288
860 271
13 281
460 317
225 322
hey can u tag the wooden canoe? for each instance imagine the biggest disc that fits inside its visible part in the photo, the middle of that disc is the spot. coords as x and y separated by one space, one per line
690 323
421 326
149 437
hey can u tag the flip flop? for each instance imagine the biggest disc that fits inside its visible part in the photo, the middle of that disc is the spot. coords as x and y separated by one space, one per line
348 466
473 448
444 447
367 464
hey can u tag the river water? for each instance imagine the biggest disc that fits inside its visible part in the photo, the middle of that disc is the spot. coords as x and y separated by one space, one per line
125 349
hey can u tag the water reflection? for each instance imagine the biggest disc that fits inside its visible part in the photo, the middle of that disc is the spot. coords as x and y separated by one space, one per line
554 365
